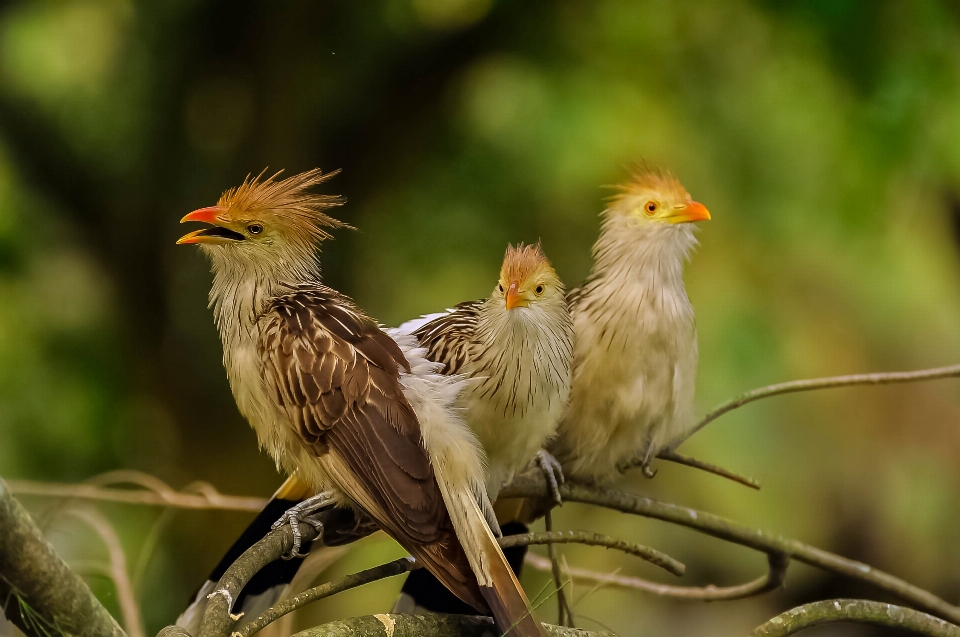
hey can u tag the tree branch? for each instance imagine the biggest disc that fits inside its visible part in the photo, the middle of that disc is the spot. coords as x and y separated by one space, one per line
653 556
564 612
532 484
769 582
434 625
217 618
883 378
406 564
118 568
38 591
857 611
207 498
673 456
396 567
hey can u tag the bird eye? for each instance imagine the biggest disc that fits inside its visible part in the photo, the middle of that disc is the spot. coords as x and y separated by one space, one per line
539 289
650 207
255 228
501 287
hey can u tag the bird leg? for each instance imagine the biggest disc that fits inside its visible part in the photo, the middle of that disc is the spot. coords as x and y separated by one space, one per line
553 472
302 512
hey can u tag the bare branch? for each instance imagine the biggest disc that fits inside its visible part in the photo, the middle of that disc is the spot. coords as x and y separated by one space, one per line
769 582
564 612
858 611
673 456
217 618
118 567
407 564
35 578
396 567
531 485
588 538
883 378
208 498
435 625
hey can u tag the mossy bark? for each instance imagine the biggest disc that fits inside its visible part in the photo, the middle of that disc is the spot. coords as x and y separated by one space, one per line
38 591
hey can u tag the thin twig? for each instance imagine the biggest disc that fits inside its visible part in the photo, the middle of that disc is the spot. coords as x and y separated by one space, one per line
771 581
118 567
531 484
588 538
406 564
208 499
563 608
858 611
882 378
396 567
673 456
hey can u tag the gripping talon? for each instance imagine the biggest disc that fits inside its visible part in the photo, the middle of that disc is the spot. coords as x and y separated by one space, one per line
301 513
553 472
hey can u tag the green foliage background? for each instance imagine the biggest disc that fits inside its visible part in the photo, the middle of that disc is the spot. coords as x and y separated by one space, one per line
823 135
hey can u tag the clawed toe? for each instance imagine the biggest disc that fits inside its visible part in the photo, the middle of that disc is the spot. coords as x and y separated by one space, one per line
553 472
301 513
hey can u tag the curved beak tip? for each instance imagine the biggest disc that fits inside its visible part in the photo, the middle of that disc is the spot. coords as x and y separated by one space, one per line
696 211
204 215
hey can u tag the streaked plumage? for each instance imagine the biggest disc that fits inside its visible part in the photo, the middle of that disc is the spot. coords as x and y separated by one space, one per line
635 355
517 360
339 403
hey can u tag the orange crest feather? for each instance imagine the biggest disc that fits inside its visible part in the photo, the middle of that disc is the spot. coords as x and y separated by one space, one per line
287 199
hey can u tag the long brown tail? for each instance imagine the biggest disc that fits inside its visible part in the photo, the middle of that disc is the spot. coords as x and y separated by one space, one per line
498 585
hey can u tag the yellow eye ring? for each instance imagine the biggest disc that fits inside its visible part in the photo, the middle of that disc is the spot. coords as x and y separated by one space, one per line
539 289
650 208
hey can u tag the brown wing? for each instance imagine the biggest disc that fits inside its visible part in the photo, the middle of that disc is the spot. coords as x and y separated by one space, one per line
337 376
448 338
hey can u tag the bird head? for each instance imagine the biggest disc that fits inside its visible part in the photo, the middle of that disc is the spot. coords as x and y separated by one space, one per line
527 280
652 199
267 221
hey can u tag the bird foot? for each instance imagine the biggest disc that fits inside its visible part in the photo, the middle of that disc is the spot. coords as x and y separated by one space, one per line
301 513
553 472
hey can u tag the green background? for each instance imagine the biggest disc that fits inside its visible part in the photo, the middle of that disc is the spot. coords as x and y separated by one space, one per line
824 136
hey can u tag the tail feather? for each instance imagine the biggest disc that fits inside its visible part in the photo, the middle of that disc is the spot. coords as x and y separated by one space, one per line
499 586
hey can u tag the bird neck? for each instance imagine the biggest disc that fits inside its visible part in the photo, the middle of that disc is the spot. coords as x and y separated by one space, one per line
529 347
242 288
646 253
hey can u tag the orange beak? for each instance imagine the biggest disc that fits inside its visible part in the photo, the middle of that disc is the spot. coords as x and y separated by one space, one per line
514 299
692 211
218 233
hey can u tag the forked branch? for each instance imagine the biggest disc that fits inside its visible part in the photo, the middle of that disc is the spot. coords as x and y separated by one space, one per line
532 485
776 573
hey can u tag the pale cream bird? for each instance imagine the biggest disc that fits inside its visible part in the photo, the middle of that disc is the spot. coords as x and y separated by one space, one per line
515 348
336 401
635 353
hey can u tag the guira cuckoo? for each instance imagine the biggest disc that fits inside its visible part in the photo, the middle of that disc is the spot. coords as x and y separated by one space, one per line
351 411
635 352
514 350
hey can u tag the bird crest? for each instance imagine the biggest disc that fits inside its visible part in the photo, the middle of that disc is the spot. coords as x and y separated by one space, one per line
523 261
286 199
645 178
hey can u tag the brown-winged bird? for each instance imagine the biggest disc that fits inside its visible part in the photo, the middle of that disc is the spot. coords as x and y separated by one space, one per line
342 405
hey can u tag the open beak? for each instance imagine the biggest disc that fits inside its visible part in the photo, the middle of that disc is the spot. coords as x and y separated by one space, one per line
691 211
218 233
514 298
